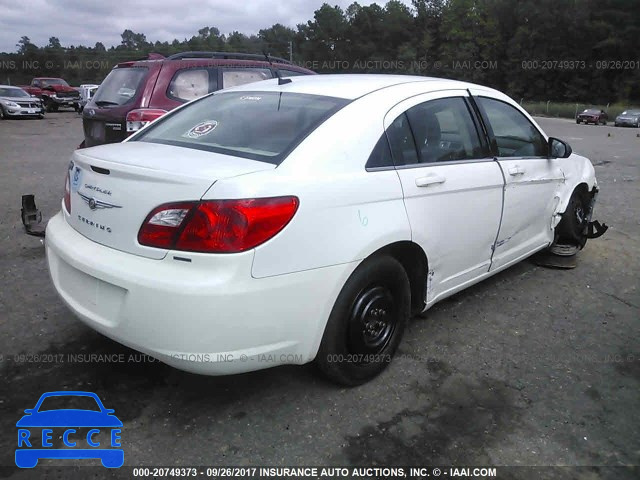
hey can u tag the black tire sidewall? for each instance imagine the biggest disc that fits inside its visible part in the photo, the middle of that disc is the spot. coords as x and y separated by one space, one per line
334 357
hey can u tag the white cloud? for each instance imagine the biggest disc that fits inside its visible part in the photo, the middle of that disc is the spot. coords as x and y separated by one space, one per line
82 22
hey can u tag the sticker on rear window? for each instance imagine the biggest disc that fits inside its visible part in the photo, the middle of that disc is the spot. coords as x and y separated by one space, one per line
203 128
75 179
251 98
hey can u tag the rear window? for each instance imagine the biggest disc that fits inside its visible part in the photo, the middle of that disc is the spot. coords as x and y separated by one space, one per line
120 86
66 402
232 77
262 126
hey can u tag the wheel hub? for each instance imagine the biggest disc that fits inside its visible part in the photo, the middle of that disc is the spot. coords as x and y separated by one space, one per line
372 320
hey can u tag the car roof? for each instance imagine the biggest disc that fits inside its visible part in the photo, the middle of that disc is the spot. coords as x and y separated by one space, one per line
10 86
349 86
214 62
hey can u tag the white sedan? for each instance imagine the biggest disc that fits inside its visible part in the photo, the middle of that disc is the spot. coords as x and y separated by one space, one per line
286 221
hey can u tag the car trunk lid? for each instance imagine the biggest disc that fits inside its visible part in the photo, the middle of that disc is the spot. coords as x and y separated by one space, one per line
114 187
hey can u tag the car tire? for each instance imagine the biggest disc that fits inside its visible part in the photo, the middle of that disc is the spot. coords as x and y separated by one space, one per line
3 115
366 323
578 121
571 229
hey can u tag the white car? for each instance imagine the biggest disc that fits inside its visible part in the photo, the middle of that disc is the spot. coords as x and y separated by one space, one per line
285 221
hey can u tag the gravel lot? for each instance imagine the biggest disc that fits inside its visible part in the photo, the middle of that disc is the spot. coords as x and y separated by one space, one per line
532 367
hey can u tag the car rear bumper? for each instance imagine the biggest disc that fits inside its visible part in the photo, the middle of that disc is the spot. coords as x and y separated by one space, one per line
206 316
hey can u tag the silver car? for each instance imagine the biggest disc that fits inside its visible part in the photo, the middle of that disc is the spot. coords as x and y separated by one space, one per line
15 102
628 118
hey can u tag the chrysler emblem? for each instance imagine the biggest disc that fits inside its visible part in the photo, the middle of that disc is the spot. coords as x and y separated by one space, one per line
95 204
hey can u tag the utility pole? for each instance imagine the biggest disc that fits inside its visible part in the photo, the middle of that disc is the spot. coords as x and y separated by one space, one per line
291 51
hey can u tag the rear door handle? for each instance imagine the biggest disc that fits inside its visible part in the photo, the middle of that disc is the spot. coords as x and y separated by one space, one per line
517 170
429 180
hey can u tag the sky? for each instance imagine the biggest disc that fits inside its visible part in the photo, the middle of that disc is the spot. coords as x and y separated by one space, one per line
85 22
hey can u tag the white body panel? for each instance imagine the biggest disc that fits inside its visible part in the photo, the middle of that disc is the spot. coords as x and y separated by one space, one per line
271 303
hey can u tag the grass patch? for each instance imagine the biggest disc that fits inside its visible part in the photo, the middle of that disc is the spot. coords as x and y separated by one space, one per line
569 110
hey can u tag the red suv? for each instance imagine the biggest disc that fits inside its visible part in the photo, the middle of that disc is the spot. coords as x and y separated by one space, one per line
136 93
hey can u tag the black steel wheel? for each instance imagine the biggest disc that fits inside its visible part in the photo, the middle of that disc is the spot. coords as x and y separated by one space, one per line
367 322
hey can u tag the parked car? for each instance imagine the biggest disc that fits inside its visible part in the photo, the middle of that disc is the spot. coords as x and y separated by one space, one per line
276 223
592 115
136 93
628 118
87 91
15 102
54 93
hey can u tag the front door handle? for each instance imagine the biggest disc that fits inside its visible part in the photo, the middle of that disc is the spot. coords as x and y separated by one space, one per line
517 170
429 180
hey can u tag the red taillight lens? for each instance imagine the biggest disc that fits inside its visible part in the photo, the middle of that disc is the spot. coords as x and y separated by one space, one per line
67 192
136 119
219 226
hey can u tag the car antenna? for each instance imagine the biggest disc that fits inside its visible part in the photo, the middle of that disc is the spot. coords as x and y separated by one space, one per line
281 81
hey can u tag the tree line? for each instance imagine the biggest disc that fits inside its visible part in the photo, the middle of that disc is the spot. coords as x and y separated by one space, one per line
559 50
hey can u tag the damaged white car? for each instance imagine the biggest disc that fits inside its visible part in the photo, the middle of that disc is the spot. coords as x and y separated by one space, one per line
307 219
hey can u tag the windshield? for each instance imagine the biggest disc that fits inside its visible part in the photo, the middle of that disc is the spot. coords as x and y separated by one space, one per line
13 92
631 112
591 110
263 126
120 86
66 402
47 82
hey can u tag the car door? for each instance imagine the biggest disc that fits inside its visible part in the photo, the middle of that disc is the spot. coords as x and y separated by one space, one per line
532 180
452 186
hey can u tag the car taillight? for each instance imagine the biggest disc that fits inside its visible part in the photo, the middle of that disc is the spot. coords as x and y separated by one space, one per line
136 119
217 226
67 192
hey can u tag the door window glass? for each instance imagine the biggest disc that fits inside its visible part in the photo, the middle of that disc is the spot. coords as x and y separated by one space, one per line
444 131
401 142
515 135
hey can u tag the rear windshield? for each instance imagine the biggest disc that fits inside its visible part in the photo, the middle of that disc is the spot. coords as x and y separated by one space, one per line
66 402
47 82
120 86
263 126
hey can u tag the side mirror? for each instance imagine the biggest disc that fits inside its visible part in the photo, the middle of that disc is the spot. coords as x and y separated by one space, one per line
558 148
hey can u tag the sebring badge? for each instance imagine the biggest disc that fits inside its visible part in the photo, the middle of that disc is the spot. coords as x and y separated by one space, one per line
95 204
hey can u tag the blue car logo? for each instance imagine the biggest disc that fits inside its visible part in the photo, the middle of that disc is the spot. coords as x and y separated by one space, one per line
88 432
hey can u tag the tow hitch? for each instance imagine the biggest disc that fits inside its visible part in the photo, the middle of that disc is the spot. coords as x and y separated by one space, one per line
31 216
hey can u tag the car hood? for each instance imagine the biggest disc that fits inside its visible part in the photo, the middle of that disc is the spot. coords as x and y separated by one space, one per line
19 99
60 88
69 418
